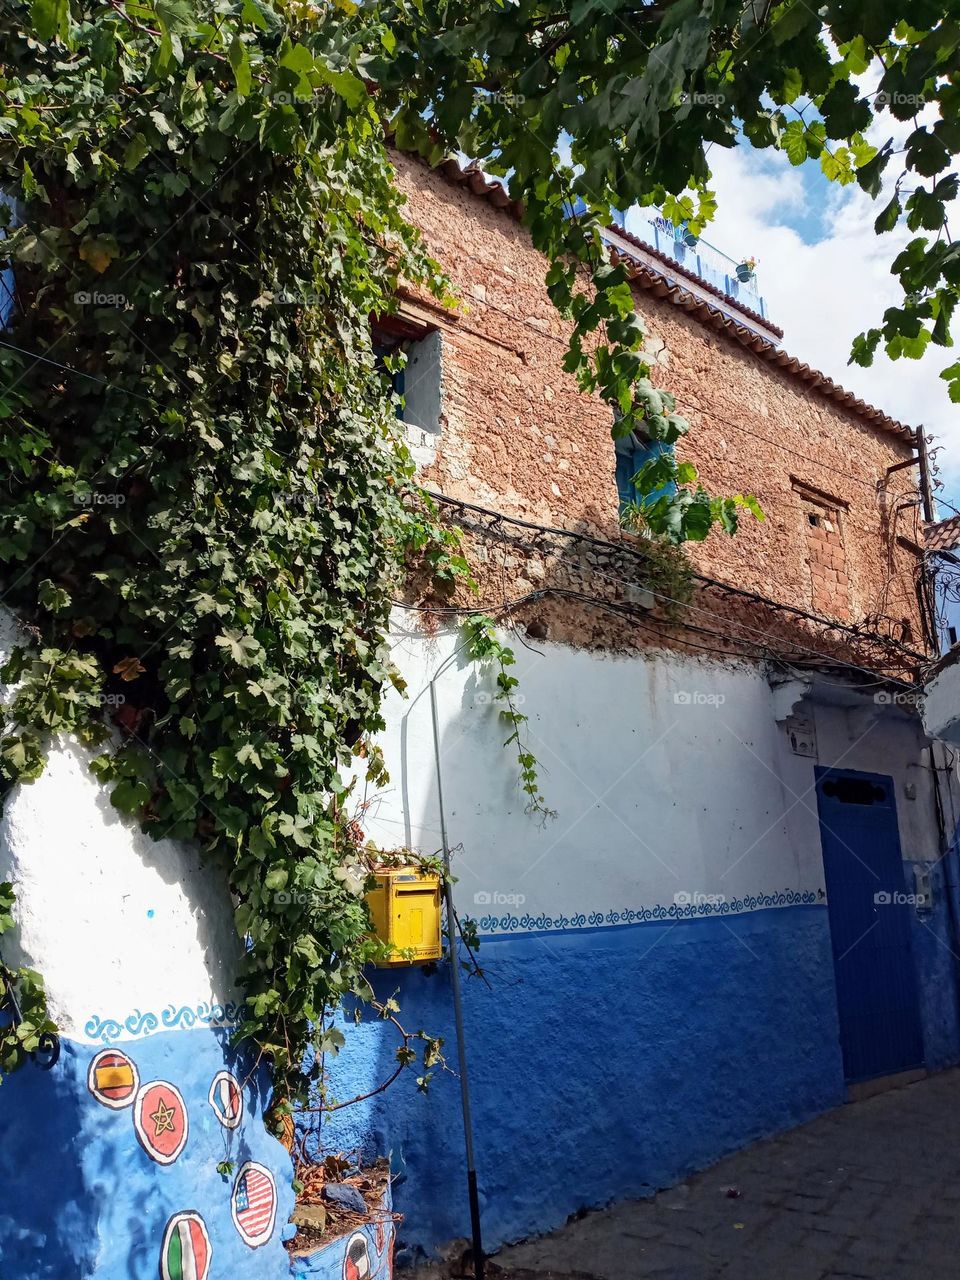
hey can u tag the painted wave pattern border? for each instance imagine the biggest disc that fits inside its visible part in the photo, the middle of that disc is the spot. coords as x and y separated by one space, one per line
172 1018
658 914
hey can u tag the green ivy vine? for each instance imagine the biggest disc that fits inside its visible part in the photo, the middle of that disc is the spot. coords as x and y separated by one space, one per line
484 646
207 504
206 501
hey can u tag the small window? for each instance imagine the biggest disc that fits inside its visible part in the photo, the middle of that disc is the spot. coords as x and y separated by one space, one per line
633 452
418 382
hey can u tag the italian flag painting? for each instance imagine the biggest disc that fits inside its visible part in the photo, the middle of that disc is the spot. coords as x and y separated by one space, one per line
186 1248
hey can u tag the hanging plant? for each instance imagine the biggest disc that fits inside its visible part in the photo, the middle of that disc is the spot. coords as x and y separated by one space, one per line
208 504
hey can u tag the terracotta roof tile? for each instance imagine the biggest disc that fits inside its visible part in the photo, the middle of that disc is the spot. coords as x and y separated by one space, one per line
677 268
944 535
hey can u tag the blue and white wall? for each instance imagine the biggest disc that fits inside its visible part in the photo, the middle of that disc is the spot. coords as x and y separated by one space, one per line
660 982
100 1156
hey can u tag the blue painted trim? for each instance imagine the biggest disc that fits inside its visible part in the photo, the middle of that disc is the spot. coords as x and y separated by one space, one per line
598 921
106 1030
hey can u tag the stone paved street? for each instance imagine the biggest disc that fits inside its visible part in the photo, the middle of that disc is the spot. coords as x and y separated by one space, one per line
870 1191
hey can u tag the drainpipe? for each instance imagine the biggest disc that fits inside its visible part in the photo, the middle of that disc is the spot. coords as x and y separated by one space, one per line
478 1259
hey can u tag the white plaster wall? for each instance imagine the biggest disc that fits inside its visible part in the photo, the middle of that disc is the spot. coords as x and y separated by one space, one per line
669 775
941 712
892 743
872 738
664 772
118 924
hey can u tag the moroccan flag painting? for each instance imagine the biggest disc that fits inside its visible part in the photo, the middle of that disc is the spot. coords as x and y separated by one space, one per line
160 1119
226 1099
254 1204
113 1079
186 1248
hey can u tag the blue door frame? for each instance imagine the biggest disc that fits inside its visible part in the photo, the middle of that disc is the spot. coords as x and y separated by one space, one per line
870 924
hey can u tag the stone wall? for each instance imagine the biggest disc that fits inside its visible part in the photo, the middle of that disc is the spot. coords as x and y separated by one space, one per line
518 436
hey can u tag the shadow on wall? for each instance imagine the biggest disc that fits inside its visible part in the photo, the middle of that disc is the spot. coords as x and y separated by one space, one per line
605 1060
82 1195
45 1216
114 920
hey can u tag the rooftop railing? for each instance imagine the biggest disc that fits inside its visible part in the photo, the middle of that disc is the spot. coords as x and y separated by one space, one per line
736 279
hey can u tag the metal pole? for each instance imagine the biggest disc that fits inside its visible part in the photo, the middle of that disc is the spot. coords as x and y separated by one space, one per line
478 1259
926 488
927 584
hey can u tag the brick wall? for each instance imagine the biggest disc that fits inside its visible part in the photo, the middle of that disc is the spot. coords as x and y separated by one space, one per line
518 436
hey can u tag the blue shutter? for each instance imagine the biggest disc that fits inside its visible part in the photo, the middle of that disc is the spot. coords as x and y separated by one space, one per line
396 377
632 454
625 471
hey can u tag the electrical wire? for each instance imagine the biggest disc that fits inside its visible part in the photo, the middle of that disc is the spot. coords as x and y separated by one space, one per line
555 591
605 545
681 400
105 382
631 613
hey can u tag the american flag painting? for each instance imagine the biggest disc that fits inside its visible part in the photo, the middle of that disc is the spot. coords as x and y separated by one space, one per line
254 1204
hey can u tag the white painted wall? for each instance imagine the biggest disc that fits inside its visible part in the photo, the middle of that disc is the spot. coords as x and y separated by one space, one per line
116 922
669 775
664 772
941 711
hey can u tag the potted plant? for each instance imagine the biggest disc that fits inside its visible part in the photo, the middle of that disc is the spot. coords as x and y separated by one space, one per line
689 239
746 270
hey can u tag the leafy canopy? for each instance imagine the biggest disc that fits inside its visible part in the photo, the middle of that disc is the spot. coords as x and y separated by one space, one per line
619 103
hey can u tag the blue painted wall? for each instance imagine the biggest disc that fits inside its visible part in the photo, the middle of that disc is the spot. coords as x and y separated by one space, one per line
604 1064
81 1198
936 952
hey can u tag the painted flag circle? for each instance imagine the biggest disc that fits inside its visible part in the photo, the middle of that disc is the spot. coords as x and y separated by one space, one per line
356 1259
254 1204
226 1098
113 1079
160 1119
186 1248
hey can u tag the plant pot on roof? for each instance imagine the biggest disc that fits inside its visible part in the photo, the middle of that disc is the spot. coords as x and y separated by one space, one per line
746 270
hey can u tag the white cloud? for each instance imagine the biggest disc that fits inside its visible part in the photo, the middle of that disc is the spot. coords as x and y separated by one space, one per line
823 294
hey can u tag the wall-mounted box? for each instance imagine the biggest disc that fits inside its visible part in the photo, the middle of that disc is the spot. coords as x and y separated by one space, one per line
405 906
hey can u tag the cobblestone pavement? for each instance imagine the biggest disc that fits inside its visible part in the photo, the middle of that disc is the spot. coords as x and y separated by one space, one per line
870 1191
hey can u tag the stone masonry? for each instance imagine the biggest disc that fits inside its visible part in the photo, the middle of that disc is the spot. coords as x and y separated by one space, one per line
519 437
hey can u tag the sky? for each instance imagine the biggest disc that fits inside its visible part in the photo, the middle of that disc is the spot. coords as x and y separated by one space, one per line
825 276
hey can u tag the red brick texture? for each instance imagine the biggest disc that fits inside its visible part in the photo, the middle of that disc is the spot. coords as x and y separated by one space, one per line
518 436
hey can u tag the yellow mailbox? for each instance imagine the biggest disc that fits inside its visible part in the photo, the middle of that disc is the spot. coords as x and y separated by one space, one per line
405 906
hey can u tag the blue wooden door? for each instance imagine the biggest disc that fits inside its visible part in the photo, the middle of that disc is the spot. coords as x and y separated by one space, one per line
870 922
